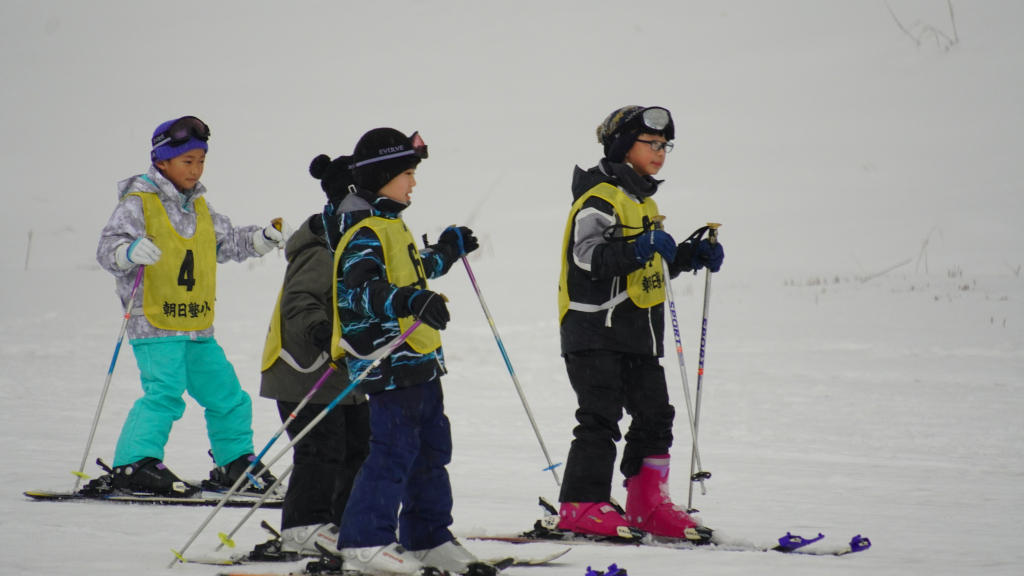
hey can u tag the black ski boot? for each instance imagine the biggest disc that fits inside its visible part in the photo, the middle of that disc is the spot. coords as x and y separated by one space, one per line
150 476
222 478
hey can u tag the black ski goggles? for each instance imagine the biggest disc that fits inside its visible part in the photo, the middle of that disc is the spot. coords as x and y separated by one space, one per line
414 147
181 131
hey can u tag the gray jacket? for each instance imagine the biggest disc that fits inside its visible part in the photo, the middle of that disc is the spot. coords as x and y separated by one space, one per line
306 302
128 223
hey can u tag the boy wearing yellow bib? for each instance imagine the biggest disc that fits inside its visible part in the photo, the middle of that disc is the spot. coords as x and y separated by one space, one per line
163 221
610 295
381 291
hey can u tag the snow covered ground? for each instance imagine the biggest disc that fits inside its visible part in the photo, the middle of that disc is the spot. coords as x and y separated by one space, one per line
829 143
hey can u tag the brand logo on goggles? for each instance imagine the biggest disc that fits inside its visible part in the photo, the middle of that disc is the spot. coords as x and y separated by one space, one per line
391 150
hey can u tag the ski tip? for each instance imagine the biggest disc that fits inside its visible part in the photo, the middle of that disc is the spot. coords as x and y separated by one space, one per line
225 540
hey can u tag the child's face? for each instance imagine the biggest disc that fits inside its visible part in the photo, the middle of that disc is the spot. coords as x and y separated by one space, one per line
185 170
645 161
400 187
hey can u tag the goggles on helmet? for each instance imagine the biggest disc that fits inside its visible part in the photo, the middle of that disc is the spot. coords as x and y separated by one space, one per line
656 118
181 131
414 147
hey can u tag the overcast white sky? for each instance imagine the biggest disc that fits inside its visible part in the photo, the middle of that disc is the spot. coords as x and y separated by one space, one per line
821 135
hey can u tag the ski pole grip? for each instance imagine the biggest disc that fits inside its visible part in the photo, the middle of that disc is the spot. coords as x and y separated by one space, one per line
657 222
276 223
713 232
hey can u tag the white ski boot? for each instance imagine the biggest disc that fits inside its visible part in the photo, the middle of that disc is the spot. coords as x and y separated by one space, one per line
389 559
303 539
453 557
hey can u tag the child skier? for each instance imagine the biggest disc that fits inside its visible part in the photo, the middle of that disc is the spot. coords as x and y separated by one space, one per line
610 299
382 290
297 352
162 221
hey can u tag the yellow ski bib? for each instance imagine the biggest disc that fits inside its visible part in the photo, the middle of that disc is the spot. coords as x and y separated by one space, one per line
404 268
273 349
272 346
646 286
181 287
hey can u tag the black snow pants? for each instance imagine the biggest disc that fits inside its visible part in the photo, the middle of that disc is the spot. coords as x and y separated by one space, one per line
605 382
326 461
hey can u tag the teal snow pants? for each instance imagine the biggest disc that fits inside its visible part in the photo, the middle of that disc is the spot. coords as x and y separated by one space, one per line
169 367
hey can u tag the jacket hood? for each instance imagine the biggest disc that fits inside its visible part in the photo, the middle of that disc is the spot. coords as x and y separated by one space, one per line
305 236
616 174
153 182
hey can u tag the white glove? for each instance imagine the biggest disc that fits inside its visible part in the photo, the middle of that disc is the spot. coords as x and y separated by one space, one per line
142 251
267 239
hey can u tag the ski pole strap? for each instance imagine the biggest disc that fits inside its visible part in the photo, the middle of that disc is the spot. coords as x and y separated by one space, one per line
462 245
609 233
699 233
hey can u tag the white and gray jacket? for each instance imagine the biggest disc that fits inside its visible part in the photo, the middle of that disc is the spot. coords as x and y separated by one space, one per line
128 223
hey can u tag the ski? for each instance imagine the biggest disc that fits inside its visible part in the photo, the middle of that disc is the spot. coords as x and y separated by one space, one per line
207 499
244 560
546 531
270 551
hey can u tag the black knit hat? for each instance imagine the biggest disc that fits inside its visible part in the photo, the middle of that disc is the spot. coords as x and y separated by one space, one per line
622 127
334 175
382 154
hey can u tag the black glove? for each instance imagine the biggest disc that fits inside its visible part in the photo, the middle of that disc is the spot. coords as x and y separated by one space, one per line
320 334
430 308
707 254
460 239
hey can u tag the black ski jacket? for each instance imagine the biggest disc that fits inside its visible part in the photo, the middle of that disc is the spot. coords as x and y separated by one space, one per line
594 263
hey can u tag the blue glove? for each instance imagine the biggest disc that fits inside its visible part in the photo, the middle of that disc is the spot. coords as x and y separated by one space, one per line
655 241
707 254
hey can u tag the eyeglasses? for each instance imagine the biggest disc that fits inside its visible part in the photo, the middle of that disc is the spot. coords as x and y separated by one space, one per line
181 131
657 145
415 147
657 118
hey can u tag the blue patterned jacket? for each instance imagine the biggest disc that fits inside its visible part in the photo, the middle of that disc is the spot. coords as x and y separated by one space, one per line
369 306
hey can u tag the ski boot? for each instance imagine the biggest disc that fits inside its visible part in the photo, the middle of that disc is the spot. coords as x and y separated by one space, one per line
222 478
649 507
147 476
594 518
453 557
387 559
303 539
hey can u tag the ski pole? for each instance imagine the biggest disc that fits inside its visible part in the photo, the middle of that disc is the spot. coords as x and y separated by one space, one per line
80 474
713 239
700 476
178 555
225 539
508 364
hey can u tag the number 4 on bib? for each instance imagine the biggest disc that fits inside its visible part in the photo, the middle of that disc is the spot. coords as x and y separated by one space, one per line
186 275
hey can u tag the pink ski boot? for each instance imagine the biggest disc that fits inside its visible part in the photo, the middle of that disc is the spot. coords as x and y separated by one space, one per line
596 518
649 506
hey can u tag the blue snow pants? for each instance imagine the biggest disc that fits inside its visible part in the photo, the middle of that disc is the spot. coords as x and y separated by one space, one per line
410 445
169 367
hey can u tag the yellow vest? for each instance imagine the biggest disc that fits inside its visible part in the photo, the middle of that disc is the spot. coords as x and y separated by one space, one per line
181 287
404 268
646 286
272 349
